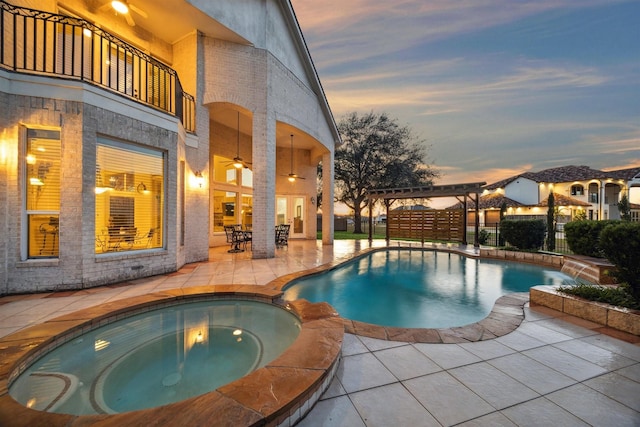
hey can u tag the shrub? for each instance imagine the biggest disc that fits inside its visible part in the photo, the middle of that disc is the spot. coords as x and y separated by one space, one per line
525 235
583 237
551 223
607 294
620 244
483 237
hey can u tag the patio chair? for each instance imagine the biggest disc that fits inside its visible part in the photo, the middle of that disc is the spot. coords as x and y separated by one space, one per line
282 235
235 237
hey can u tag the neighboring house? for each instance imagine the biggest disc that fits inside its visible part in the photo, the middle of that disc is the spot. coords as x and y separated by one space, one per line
575 189
129 139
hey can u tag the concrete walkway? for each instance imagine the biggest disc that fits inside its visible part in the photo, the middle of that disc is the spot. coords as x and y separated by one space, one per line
553 370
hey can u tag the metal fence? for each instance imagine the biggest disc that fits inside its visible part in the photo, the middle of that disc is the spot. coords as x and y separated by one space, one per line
43 43
490 236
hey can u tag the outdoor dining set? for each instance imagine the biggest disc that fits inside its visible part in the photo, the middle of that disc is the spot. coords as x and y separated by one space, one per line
238 236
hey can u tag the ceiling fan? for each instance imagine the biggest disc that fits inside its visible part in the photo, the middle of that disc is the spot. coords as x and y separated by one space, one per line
125 8
292 176
237 162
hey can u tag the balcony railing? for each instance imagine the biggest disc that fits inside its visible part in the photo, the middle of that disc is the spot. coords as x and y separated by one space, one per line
43 43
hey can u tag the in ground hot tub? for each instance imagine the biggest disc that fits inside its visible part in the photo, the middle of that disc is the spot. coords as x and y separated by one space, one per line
158 357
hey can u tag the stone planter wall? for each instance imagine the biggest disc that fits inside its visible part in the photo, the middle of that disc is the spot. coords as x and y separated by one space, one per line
622 319
548 260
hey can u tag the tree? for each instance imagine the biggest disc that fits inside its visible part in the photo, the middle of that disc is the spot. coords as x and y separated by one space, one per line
551 223
625 208
376 153
503 212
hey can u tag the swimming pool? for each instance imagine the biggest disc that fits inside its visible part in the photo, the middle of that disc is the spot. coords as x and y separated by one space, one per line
415 288
161 356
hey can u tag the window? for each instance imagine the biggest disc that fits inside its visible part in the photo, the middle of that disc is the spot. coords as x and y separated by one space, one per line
593 193
42 188
129 197
232 189
577 190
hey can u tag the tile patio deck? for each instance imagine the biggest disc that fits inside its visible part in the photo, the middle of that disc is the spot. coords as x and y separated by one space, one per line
552 370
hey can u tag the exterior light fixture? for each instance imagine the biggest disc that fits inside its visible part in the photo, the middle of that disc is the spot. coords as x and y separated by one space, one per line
199 178
142 189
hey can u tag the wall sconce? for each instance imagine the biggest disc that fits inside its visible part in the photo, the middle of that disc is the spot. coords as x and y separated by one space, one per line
142 189
199 178
313 200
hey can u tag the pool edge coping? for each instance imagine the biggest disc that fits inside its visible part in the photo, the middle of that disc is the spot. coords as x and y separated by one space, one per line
293 381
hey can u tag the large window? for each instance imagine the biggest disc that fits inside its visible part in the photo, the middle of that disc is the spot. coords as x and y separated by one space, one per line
232 198
42 188
129 197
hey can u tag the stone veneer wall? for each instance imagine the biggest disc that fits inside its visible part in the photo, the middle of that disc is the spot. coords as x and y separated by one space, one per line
548 260
622 319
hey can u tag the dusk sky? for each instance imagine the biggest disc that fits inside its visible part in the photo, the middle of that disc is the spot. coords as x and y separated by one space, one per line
494 87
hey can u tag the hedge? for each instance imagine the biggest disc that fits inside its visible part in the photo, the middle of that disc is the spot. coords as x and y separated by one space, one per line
526 234
620 244
583 236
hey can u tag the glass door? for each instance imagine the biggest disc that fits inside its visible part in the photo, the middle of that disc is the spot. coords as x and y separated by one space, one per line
291 210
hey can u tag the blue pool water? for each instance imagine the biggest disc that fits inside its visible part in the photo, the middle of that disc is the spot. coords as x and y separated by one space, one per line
419 289
158 357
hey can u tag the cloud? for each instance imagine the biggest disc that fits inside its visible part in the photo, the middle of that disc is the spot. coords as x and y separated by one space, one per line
377 28
450 70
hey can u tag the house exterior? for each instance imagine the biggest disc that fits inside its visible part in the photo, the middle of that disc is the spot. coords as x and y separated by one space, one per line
128 139
576 189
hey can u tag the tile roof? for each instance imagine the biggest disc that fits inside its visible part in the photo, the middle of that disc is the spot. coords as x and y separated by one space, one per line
562 200
490 201
494 201
568 174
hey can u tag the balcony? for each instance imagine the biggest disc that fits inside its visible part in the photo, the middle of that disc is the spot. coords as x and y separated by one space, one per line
43 43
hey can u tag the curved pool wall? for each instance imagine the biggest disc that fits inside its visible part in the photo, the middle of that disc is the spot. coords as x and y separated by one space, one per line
505 316
279 393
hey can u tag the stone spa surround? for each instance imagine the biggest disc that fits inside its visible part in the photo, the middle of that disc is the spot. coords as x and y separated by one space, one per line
280 393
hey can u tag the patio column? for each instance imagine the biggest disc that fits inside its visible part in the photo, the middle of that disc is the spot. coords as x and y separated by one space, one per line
328 174
264 184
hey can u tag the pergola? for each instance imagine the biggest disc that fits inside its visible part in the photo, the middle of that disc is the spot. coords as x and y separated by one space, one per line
462 192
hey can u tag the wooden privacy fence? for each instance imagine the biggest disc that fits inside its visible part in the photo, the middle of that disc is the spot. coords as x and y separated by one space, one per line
447 224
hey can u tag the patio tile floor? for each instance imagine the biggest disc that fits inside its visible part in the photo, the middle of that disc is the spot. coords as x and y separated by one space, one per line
552 370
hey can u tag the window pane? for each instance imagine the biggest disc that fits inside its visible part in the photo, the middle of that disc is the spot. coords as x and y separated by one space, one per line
129 197
247 211
223 170
247 178
42 166
224 209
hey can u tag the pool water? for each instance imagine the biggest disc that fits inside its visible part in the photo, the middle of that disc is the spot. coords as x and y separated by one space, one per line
419 288
158 357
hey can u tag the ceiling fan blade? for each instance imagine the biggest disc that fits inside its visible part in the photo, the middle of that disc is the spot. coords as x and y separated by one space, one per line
139 11
295 176
129 19
105 7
